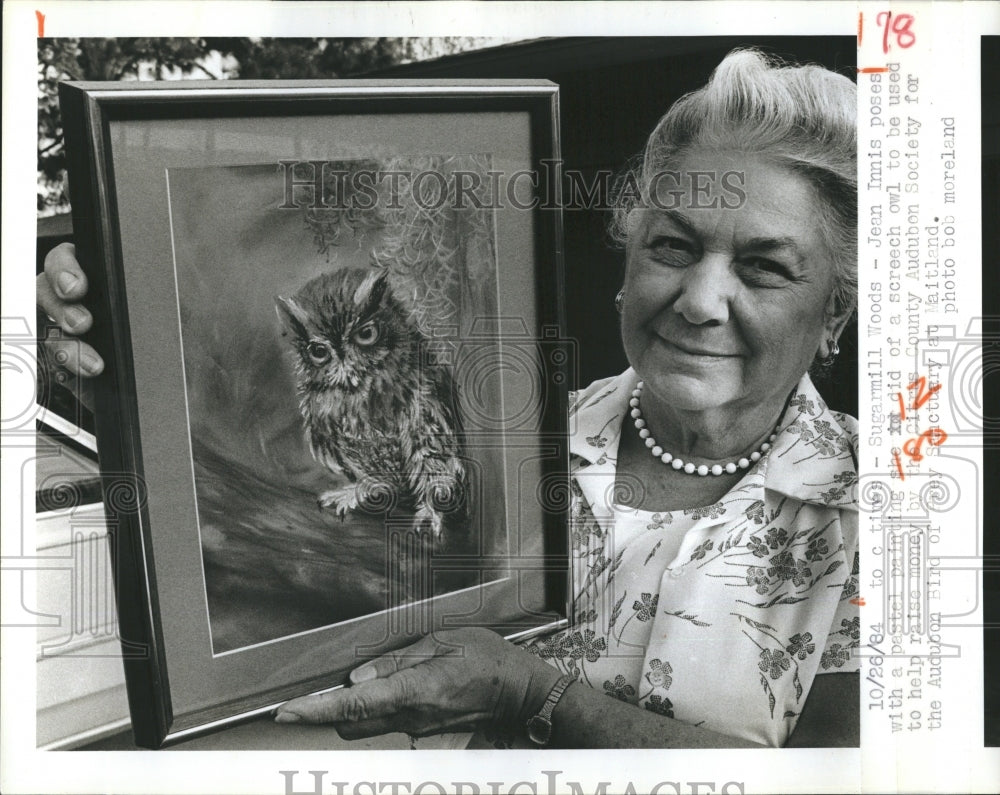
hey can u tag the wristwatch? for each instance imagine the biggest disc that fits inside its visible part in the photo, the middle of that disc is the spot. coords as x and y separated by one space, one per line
540 726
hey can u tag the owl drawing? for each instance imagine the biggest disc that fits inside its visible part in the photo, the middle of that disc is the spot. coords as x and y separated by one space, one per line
375 410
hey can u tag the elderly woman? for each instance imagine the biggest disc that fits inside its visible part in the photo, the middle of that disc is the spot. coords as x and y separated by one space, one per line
714 527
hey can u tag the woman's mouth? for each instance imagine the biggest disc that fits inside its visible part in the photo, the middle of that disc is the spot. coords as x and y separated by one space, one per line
693 349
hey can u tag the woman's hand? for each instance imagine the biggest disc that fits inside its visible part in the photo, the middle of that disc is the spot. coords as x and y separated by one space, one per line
58 293
468 678
450 681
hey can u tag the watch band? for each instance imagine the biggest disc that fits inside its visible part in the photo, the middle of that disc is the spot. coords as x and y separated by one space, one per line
540 726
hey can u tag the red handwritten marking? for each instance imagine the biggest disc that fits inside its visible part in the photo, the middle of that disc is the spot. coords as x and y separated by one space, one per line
867 70
933 436
899 465
901 27
923 393
41 24
885 16
858 600
861 25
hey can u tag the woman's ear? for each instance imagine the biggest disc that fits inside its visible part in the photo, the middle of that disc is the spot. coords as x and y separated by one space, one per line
836 321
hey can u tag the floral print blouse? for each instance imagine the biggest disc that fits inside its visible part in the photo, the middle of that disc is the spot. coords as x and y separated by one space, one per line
719 616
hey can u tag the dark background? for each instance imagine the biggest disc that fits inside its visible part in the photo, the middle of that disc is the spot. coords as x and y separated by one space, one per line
990 105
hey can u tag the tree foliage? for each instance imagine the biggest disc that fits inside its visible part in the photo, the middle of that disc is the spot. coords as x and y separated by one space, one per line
198 58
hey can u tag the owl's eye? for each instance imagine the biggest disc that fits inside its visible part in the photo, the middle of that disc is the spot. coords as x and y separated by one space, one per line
318 352
367 334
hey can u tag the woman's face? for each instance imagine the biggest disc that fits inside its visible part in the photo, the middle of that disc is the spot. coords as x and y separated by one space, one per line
727 302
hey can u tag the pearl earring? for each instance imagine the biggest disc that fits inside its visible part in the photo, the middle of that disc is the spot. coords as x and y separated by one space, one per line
834 352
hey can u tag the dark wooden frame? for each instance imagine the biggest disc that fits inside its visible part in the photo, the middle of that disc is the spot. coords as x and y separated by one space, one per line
88 110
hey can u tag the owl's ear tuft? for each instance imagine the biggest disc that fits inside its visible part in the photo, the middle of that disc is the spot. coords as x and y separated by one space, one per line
371 290
293 317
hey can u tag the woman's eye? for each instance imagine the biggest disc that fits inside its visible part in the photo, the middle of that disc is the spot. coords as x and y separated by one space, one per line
673 250
318 352
767 268
366 335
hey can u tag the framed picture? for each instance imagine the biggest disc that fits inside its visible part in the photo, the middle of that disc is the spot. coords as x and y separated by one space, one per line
333 413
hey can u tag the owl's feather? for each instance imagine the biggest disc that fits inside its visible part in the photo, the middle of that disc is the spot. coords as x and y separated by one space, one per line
375 406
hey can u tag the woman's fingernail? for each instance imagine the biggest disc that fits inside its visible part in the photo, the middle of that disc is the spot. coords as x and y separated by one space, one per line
363 674
91 363
66 281
75 316
287 717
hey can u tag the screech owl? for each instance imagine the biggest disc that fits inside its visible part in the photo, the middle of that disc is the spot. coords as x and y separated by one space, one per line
374 408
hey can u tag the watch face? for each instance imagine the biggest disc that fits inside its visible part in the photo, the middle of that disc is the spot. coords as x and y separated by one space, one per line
539 730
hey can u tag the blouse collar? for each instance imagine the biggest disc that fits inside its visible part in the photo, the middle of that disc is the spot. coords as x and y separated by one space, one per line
814 458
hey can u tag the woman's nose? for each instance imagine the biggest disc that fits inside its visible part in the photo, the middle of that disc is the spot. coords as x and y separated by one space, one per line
706 291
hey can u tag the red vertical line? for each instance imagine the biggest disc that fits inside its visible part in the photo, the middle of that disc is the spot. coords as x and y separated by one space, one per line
41 24
861 18
899 466
902 407
923 393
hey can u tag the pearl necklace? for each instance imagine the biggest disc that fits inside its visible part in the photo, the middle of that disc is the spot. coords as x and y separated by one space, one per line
687 466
